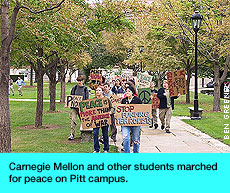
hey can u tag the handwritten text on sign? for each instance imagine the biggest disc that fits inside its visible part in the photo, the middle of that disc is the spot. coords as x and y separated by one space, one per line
94 113
155 101
133 114
73 101
143 80
116 99
176 82
96 75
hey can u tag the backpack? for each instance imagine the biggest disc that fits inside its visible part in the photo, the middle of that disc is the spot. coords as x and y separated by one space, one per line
75 87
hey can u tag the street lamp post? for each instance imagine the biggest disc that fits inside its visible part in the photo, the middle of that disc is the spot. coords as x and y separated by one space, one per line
196 23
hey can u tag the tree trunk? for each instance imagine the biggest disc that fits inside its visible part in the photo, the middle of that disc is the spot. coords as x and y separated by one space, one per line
39 76
5 131
159 82
62 98
202 82
31 76
70 77
39 109
216 100
52 87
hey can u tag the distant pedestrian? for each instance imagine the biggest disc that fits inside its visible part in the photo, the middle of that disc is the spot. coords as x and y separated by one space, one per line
20 82
11 86
79 90
166 106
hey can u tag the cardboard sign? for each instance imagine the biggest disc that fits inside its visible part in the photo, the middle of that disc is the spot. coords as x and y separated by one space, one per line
95 79
116 99
94 113
73 101
133 115
144 94
176 82
143 80
126 73
155 101
96 75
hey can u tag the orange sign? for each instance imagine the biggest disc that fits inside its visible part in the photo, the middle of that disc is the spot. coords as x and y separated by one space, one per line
177 83
94 113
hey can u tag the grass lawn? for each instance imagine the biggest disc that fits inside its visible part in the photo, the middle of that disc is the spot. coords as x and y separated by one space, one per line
31 92
44 140
211 123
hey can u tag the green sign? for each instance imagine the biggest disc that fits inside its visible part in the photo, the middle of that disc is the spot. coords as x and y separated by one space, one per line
144 94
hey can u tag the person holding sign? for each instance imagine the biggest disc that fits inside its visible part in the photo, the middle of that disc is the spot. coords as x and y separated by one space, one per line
166 106
154 111
108 93
105 129
79 90
131 99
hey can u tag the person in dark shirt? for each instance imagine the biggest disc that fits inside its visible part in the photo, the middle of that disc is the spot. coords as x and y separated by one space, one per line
79 90
166 106
131 99
117 89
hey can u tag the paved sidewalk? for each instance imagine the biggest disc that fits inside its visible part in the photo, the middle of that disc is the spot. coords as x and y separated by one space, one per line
183 139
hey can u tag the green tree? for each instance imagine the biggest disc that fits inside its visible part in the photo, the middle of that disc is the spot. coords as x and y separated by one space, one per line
10 10
213 36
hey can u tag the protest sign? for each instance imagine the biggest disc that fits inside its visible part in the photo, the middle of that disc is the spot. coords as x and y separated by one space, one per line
133 115
144 94
155 101
95 78
94 113
96 75
126 73
177 83
116 99
143 80
73 101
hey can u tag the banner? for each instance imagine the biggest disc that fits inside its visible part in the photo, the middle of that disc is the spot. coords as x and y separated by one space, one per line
143 80
176 82
155 101
94 113
133 115
73 101
144 94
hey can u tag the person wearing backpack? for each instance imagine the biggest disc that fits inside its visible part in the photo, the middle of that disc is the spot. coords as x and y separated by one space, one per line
79 90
